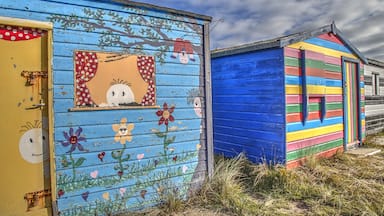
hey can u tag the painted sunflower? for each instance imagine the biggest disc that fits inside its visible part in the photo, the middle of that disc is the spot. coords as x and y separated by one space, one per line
123 131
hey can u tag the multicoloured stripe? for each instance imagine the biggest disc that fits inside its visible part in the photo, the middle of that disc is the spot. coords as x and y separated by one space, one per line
324 79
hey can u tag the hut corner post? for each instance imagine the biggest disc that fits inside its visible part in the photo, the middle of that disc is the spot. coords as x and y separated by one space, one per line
208 95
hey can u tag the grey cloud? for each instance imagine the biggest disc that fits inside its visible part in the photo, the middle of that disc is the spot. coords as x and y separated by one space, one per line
246 21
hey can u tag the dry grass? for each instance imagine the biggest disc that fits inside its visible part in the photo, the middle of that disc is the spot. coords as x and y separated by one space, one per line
342 185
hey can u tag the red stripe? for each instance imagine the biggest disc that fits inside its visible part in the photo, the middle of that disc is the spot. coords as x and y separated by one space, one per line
326 154
331 37
296 71
298 117
294 99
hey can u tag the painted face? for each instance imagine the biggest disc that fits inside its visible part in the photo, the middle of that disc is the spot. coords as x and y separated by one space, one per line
183 57
119 94
197 106
31 145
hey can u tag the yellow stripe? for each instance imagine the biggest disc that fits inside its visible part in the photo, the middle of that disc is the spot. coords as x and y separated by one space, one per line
362 91
305 134
313 89
363 123
320 49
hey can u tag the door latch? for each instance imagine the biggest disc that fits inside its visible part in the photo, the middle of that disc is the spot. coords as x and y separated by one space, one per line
32 75
37 106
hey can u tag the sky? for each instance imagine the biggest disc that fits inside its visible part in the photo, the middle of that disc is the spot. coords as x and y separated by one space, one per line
237 22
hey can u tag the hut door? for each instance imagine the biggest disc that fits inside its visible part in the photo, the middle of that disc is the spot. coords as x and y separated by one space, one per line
351 97
25 177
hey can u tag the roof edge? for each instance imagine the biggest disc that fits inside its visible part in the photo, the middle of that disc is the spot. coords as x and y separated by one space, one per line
161 8
288 40
338 33
245 48
375 62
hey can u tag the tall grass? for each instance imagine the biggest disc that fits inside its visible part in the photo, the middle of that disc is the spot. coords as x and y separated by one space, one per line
342 185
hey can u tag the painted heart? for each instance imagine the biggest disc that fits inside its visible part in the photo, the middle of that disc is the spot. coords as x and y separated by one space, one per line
94 174
140 156
60 193
122 191
101 156
106 195
174 158
85 196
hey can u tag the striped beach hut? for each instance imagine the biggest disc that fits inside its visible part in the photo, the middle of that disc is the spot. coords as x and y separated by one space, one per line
284 99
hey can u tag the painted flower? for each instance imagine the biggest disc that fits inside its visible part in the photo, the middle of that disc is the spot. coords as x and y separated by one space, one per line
73 139
123 131
165 114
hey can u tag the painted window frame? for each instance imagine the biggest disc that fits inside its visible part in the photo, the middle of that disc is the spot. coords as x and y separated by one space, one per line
306 96
76 107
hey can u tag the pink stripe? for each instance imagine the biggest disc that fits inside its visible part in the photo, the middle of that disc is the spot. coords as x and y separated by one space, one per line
313 141
294 99
332 60
314 55
295 53
290 52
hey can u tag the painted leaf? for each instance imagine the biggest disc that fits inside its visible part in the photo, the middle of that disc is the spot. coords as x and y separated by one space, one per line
170 140
116 154
160 134
79 162
127 158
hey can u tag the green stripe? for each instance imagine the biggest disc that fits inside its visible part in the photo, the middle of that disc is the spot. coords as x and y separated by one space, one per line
293 155
292 108
295 62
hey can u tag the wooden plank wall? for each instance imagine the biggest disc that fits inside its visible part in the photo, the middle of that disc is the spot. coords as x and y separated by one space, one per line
323 61
374 103
248 110
88 181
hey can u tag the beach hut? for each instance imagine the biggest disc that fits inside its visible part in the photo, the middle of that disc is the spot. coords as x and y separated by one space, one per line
105 106
374 96
284 99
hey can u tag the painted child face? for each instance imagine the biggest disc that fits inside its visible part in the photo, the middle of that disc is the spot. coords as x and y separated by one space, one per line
197 106
31 145
183 57
119 94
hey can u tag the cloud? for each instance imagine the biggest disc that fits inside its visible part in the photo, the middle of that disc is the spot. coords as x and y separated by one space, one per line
245 21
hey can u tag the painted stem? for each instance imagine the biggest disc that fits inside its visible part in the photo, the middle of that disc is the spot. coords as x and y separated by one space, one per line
120 162
73 166
165 142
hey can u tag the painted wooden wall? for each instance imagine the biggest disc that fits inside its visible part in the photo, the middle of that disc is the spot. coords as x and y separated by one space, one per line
374 99
248 109
318 135
101 175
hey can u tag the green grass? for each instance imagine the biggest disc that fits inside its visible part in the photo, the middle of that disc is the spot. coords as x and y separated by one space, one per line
342 185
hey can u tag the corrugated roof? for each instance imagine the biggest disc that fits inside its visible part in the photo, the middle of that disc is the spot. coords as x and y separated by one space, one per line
160 8
287 40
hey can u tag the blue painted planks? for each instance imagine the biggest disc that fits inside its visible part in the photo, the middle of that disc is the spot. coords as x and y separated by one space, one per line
248 113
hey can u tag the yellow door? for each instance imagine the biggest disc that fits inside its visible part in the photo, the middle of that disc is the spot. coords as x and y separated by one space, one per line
25 177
